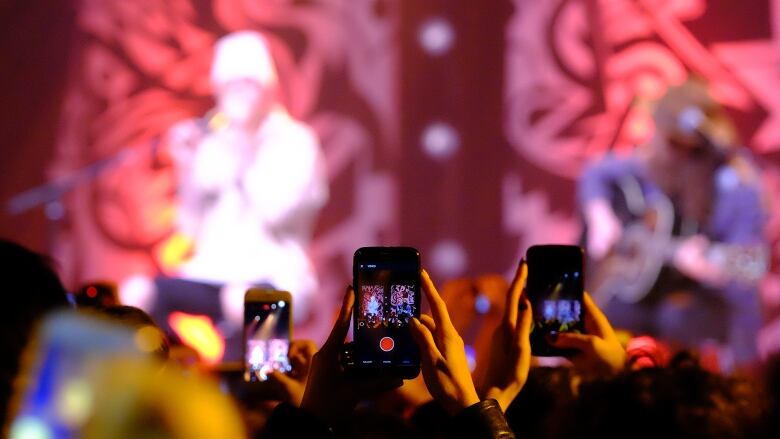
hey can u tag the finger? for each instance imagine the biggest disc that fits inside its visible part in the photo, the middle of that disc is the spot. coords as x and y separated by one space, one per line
341 327
424 339
303 348
513 295
596 322
299 366
301 354
427 320
438 307
525 323
525 319
580 342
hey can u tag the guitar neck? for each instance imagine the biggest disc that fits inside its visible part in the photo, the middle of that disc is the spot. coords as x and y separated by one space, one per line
745 263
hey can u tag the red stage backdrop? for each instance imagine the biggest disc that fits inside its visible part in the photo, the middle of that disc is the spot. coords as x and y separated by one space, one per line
456 127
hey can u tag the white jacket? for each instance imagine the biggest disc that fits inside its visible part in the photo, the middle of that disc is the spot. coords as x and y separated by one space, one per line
250 201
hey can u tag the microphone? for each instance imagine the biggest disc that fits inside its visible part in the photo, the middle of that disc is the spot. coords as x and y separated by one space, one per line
213 120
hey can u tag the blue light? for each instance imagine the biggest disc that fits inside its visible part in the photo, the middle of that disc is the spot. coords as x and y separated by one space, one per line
482 304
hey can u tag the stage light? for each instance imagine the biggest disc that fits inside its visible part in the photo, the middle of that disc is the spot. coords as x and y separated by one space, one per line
30 427
138 291
174 251
639 126
199 333
54 211
482 304
148 339
471 357
650 87
440 140
74 402
436 36
449 258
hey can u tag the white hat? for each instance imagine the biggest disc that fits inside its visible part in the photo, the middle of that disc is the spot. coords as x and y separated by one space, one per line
242 55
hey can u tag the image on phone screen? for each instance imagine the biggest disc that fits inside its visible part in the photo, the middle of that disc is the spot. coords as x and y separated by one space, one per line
388 296
267 338
555 288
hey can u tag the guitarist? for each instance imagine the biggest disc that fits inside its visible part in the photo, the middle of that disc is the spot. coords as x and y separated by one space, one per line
714 252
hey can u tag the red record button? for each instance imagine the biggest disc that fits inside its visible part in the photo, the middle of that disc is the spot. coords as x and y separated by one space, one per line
386 344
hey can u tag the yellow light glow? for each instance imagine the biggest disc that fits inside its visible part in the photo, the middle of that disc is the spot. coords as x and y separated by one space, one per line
147 339
74 402
199 333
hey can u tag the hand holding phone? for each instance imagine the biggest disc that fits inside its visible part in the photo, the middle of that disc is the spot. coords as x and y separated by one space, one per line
332 394
599 352
566 320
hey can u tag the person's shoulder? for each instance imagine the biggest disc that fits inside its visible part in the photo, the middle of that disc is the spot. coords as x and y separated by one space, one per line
740 172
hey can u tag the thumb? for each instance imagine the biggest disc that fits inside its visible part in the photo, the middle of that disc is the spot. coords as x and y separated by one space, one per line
525 320
341 326
580 342
514 296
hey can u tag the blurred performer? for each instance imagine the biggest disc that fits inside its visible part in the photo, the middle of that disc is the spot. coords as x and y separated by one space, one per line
251 183
675 232
251 187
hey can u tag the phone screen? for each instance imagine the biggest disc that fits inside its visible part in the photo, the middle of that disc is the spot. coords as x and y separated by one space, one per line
72 351
387 289
267 338
554 288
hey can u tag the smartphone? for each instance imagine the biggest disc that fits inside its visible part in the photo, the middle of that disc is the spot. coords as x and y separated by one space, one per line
387 296
555 287
267 333
62 366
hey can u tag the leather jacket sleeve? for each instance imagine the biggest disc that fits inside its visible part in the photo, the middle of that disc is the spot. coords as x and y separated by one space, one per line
482 420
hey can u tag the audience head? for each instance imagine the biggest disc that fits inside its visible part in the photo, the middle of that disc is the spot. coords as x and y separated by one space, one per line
30 284
132 396
682 400
548 391
31 289
97 295
147 330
